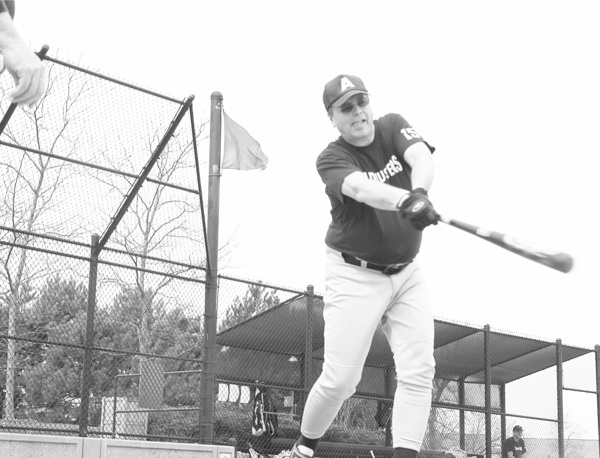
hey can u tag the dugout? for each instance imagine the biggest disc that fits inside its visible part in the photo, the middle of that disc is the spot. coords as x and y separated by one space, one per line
477 362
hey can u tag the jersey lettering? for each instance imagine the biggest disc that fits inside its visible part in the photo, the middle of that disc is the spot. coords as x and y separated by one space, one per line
410 133
346 83
392 168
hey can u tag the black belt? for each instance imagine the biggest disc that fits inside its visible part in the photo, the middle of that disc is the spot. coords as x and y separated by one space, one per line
388 270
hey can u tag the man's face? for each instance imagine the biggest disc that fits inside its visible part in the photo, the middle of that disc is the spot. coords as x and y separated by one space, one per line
354 120
517 434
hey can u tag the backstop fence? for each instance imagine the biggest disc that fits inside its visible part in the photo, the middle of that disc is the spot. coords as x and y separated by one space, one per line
102 295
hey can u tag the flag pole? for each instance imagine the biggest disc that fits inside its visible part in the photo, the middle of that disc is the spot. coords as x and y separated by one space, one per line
207 386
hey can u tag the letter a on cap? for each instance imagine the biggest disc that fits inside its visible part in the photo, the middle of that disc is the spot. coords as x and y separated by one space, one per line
346 83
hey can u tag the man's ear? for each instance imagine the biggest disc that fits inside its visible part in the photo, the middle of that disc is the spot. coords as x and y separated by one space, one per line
332 121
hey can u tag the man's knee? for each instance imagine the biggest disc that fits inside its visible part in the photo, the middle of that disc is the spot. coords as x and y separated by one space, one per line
338 383
418 370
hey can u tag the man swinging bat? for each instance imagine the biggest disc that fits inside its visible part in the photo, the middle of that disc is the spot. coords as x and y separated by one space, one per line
376 174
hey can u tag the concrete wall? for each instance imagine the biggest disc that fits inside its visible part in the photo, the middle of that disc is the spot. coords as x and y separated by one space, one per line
41 446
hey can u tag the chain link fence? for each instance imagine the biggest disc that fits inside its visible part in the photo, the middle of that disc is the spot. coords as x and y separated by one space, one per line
115 348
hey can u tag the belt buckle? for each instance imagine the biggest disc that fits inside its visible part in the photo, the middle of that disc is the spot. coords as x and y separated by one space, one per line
391 270
395 268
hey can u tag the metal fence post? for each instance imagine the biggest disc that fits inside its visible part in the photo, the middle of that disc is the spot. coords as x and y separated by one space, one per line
308 349
461 413
114 412
390 384
307 360
211 294
503 410
559 398
86 376
488 391
597 350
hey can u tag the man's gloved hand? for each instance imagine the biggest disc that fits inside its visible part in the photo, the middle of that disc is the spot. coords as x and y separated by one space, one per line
418 210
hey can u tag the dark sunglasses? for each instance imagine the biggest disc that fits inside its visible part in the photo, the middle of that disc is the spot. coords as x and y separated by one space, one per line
361 101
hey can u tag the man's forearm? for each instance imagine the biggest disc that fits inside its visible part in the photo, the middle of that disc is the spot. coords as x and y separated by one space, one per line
373 193
8 32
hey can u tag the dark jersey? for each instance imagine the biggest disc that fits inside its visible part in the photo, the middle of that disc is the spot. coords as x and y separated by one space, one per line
378 236
515 446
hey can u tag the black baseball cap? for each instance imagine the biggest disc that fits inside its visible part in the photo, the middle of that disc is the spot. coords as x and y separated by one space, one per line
518 428
340 89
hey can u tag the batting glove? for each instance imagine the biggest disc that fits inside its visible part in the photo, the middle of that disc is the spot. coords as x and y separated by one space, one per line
418 210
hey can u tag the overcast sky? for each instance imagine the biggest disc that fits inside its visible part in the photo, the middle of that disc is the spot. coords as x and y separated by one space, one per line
508 92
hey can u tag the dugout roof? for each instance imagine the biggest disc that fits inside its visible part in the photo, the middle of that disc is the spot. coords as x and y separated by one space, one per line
459 348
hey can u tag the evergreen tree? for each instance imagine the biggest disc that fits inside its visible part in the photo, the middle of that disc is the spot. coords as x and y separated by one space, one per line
256 300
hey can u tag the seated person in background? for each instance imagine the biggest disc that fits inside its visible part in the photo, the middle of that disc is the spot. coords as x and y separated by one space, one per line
514 446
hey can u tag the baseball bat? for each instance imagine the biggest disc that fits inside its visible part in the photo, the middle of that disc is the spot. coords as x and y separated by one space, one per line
557 260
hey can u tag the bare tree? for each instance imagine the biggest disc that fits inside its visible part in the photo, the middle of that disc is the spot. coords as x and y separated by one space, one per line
572 434
31 186
441 425
161 222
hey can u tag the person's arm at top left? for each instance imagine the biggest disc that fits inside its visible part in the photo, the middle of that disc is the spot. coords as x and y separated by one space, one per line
25 67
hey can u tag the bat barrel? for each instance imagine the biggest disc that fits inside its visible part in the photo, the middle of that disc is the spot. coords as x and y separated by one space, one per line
557 260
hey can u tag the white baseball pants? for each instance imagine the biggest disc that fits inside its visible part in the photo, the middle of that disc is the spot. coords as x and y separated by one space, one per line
356 301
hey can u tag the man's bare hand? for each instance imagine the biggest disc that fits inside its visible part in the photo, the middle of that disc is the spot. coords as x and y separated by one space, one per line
26 68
